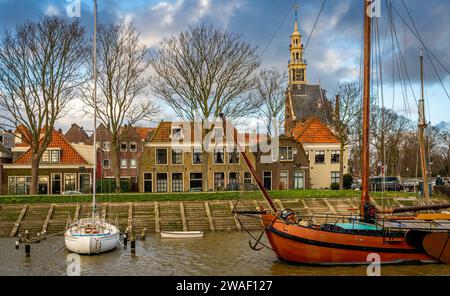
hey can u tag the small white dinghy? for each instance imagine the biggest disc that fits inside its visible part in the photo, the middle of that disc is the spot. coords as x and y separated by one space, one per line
181 234
91 236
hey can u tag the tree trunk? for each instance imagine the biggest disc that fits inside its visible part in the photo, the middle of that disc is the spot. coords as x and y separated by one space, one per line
205 161
115 161
341 167
34 173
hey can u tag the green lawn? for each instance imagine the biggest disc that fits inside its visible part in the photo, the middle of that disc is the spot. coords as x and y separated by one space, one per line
186 196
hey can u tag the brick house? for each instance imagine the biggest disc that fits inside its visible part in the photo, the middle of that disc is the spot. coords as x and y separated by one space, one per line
323 149
131 148
77 135
172 161
64 167
291 171
6 143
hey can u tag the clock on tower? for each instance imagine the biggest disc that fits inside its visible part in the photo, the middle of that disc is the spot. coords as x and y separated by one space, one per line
299 75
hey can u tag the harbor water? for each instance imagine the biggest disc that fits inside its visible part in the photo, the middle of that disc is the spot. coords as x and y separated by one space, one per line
220 253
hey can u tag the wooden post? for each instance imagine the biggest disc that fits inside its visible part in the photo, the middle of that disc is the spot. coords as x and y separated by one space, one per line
183 217
210 218
398 203
77 213
157 221
258 208
308 210
104 209
19 220
236 221
47 220
330 206
130 216
279 203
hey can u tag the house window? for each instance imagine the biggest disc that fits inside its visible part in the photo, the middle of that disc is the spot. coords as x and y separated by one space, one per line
247 177
19 185
284 180
233 178
106 146
70 182
43 184
123 147
320 156
123 163
267 180
219 181
105 163
161 182
299 181
218 156
133 147
133 163
177 156
197 156
335 177
176 133
56 183
55 156
233 156
177 182
335 156
148 182
45 156
161 156
286 153
196 182
85 183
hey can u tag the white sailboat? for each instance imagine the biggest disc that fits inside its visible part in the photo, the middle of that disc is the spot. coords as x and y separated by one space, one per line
92 235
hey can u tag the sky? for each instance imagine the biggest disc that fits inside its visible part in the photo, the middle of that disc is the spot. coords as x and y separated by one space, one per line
333 52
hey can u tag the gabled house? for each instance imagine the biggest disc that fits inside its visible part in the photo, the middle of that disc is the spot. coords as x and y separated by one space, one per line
77 135
64 167
323 149
174 160
6 143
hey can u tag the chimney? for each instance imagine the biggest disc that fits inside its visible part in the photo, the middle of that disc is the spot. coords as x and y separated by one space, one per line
60 130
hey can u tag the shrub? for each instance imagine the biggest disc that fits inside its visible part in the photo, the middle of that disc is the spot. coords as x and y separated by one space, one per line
334 186
109 186
443 190
348 181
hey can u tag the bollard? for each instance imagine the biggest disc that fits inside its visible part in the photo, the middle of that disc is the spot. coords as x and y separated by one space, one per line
133 242
125 238
27 244
143 234
17 244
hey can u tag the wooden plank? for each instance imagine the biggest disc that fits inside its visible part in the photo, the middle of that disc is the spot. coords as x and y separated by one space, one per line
280 204
398 203
130 216
236 221
330 206
157 220
77 212
210 218
374 201
308 210
104 209
19 220
47 219
183 217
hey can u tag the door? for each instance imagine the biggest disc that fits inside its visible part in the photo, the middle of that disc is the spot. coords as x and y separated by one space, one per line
56 183
299 180
267 180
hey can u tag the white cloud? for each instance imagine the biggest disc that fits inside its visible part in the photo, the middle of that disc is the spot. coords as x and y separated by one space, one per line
52 10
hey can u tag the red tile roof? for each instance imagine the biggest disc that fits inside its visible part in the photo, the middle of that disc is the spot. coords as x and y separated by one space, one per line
143 131
68 154
312 130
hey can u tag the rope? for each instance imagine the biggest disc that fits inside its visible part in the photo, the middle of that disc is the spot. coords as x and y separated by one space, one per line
315 23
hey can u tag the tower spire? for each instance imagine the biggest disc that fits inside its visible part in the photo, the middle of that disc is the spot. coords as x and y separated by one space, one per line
297 65
296 17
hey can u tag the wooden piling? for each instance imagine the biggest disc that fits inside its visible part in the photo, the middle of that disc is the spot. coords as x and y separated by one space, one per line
236 221
104 209
157 219
280 204
258 208
130 216
183 217
19 220
308 210
77 213
210 218
47 219
330 206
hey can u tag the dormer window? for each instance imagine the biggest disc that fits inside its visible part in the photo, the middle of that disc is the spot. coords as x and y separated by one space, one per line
176 133
133 147
286 154
51 156
106 146
123 147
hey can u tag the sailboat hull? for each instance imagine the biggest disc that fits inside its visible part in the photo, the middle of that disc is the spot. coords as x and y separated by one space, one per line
309 245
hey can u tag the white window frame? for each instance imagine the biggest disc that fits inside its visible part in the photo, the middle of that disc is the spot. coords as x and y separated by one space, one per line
126 147
143 181
201 156
287 179
223 158
79 179
182 181
135 146
131 163
61 181
106 146
182 156
126 163
76 181
103 164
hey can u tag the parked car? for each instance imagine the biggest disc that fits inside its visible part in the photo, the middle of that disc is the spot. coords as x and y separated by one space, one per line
72 192
389 183
238 187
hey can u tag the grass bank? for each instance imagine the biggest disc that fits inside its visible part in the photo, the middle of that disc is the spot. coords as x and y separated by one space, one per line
190 196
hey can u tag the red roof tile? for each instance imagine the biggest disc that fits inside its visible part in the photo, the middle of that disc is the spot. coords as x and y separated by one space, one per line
312 130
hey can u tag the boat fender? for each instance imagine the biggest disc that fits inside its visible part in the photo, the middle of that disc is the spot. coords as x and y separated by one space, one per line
370 212
288 215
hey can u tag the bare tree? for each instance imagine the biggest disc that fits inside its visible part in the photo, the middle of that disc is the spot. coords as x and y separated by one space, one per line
205 71
347 112
40 72
270 97
123 64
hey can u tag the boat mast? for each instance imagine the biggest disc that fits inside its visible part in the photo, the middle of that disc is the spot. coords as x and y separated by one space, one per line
94 187
422 126
365 199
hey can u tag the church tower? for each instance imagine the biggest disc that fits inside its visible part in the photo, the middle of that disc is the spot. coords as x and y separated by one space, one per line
297 65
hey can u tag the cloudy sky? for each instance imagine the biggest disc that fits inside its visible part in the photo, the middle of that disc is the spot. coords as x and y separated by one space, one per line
333 52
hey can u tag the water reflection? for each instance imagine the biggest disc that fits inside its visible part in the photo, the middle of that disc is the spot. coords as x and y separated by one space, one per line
215 254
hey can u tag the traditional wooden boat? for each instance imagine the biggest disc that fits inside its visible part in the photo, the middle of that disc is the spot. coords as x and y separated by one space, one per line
352 240
182 234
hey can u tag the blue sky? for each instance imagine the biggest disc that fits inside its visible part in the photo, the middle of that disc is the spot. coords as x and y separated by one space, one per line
333 53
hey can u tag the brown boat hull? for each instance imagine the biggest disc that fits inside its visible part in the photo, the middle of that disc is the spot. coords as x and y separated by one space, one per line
306 245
